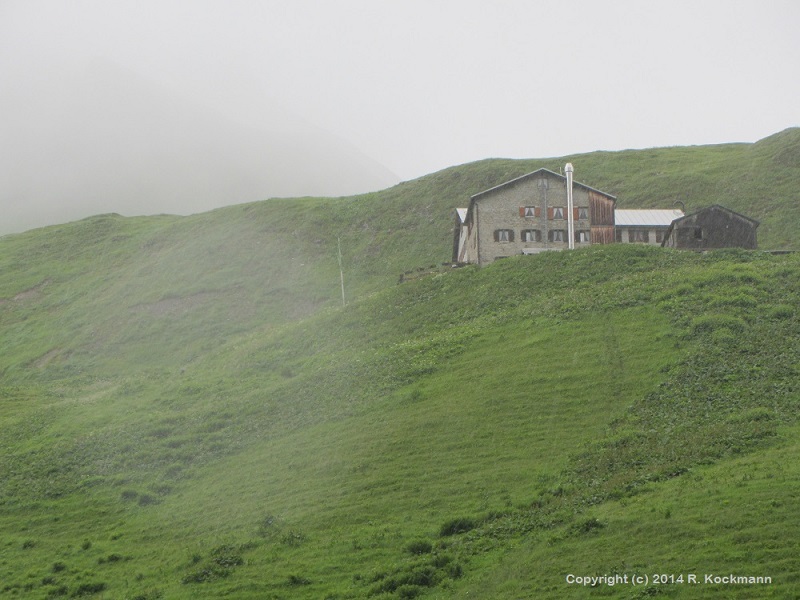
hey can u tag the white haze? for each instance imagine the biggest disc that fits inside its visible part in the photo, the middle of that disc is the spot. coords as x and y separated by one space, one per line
143 107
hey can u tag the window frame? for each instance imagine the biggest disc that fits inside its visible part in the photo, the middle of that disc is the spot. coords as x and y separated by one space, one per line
503 236
537 235
529 211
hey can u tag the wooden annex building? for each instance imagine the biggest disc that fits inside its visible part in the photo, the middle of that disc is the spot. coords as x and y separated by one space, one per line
712 227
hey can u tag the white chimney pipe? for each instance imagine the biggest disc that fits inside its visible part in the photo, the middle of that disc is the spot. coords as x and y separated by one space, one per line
570 212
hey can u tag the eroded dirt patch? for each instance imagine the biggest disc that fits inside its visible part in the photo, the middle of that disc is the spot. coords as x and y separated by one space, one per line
170 307
30 294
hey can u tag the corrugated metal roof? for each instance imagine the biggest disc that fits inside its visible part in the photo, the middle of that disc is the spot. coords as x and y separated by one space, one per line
646 217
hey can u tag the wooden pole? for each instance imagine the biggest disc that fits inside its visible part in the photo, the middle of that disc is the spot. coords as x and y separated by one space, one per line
341 271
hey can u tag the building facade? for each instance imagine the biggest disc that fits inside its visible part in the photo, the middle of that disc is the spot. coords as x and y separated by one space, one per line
643 226
530 214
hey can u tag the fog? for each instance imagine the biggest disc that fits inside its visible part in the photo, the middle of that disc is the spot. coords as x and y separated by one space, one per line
104 139
179 106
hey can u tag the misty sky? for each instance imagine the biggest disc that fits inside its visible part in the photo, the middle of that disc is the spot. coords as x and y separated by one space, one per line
391 89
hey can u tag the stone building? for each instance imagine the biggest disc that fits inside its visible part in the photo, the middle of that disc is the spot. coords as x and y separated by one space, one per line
531 214
712 227
643 226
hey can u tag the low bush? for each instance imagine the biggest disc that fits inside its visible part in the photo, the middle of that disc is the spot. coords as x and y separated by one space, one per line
457 526
206 575
588 525
409 591
227 556
713 322
86 589
419 547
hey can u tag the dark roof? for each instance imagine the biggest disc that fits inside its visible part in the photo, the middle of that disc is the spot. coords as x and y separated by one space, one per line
722 208
531 176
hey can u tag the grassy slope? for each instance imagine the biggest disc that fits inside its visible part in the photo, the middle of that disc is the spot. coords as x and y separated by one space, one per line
240 267
507 396
146 292
171 407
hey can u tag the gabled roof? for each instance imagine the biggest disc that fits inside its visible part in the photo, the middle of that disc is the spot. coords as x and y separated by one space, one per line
533 175
646 217
723 209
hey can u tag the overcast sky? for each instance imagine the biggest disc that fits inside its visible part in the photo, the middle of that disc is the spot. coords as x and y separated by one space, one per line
420 85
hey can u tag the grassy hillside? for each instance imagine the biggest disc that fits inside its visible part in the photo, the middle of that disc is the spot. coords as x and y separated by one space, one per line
188 411
484 431
121 293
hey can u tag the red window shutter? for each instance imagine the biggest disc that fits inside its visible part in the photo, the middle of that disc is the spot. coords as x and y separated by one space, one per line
496 235
510 235
550 212
575 213
521 211
537 211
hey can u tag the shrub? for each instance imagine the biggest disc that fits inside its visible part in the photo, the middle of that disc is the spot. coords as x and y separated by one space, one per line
268 526
226 556
782 311
298 580
455 571
419 547
422 576
111 558
147 499
205 575
86 589
151 595
293 538
129 495
441 560
456 526
409 591
712 322
588 525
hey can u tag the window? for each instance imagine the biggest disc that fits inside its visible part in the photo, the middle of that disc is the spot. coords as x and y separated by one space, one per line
558 213
503 235
659 236
582 236
639 235
618 234
557 235
698 233
531 235
583 213
529 212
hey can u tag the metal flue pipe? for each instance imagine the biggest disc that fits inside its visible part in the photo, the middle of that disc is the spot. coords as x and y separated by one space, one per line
570 211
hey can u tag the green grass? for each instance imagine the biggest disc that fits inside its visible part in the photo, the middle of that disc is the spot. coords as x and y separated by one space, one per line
189 412
734 517
303 461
